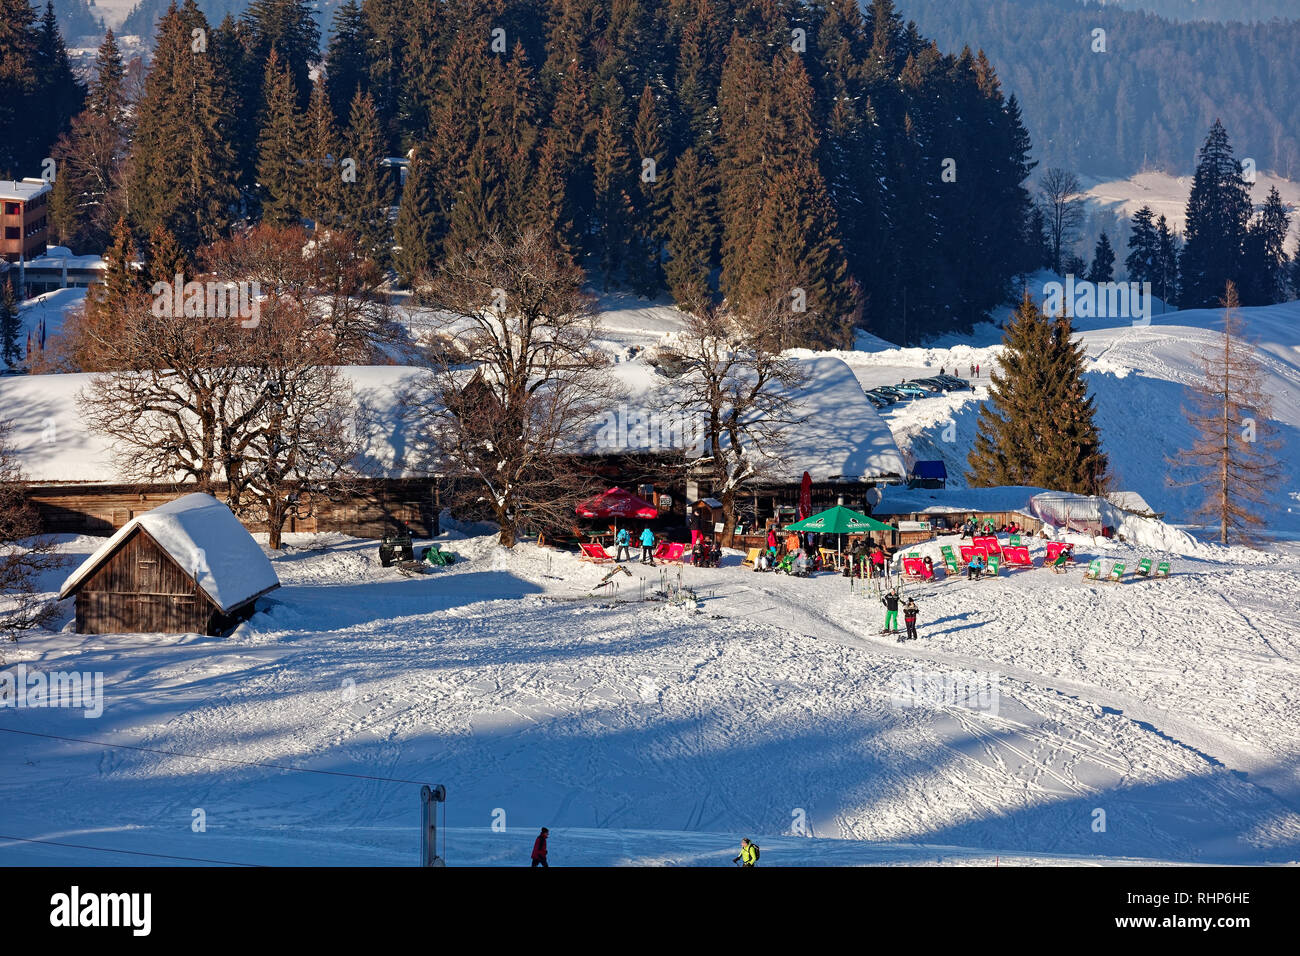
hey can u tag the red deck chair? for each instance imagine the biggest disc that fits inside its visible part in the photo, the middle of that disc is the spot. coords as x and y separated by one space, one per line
989 543
913 567
968 552
1018 557
595 553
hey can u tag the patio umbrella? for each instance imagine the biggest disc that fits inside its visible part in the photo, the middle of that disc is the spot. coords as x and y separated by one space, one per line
617 503
839 521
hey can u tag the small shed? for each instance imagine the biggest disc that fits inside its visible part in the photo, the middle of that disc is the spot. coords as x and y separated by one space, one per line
187 566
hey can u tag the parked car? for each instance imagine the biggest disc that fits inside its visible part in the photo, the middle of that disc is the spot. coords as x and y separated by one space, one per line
886 397
935 384
955 383
912 390
892 390
877 401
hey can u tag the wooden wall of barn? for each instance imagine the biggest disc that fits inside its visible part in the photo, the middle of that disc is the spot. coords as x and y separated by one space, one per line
379 508
140 589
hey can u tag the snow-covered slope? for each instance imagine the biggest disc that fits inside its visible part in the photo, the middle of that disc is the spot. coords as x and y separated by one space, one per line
657 732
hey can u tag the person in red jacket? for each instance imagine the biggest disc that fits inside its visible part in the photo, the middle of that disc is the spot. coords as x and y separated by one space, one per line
539 849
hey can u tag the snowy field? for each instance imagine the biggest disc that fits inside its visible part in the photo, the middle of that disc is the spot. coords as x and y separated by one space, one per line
659 732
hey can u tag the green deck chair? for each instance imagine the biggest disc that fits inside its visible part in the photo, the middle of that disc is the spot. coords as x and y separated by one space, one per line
949 559
1094 570
1162 569
1116 575
1144 567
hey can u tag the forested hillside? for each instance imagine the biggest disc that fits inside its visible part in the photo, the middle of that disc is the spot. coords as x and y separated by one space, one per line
1148 99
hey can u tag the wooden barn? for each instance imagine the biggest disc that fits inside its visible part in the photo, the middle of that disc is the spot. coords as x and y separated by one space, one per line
188 566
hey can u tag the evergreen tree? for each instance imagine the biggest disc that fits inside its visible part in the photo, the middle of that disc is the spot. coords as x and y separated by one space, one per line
182 162
106 96
367 191
1218 212
1264 269
289 28
692 234
1165 272
11 326
612 166
280 147
241 74
18 85
321 184
59 95
1038 427
167 259
650 202
1143 247
419 228
1103 261
346 60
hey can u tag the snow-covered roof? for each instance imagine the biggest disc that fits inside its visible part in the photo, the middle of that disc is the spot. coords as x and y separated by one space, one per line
898 499
841 435
22 190
1131 502
204 537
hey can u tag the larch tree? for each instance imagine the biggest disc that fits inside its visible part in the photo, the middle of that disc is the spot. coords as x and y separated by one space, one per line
1231 459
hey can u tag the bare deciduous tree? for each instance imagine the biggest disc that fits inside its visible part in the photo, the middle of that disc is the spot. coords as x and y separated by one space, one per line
739 385
24 553
1232 458
1061 199
515 381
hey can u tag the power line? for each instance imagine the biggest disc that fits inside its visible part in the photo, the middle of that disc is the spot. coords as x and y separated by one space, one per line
105 849
176 753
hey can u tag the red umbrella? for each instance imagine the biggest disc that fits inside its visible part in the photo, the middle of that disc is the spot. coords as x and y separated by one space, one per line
805 497
617 503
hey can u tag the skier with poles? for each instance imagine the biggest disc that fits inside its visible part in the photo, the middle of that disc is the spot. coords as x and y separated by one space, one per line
890 601
748 853
647 547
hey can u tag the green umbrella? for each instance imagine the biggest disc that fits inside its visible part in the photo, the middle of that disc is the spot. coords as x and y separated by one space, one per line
838 520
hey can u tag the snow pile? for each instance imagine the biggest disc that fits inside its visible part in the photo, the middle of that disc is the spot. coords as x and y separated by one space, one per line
205 538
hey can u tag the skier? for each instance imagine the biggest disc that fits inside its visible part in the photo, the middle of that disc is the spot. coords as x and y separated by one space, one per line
748 853
909 619
890 601
647 547
539 849
624 545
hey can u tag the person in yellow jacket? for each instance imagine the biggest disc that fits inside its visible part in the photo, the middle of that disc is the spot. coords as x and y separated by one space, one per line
748 853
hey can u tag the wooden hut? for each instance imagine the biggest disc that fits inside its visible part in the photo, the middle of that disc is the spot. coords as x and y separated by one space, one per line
188 566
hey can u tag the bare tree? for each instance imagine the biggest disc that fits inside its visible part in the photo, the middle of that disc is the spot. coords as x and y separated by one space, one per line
1232 458
1061 199
515 380
733 378
24 553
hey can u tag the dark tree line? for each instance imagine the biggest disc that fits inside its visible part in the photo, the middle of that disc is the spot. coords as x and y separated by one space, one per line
1147 100
814 157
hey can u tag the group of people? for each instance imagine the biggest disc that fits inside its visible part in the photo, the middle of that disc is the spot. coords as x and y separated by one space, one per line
971 527
910 614
786 554
704 553
646 540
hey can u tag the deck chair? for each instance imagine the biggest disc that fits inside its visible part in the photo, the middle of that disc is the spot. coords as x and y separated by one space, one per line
988 543
1162 569
913 567
752 557
676 554
1018 557
1057 566
949 560
994 565
1116 575
662 550
1014 541
1143 568
595 553
1094 568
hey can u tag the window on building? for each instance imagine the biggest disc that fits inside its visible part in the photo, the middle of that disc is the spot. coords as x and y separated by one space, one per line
13 232
12 209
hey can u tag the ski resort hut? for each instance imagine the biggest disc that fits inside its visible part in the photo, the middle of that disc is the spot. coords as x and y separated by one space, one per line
188 566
